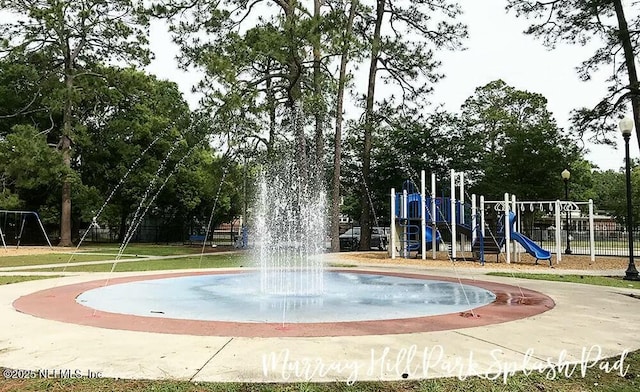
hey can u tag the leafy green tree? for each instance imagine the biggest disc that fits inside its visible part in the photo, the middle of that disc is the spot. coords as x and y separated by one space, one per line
609 190
269 81
260 67
72 37
635 193
518 147
402 55
253 76
30 169
26 94
584 22
582 181
138 129
26 120
137 138
405 143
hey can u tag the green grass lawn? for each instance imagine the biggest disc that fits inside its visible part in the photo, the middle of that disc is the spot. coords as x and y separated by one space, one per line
205 261
586 279
148 249
18 279
100 252
50 258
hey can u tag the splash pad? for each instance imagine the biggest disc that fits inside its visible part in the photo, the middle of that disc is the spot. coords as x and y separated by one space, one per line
348 296
61 304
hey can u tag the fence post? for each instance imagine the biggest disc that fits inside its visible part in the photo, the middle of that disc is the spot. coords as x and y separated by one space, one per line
474 219
558 233
423 217
405 225
482 230
392 241
516 247
507 229
592 242
434 227
453 215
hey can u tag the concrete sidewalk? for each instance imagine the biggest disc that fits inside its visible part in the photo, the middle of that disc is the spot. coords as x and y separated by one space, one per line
588 323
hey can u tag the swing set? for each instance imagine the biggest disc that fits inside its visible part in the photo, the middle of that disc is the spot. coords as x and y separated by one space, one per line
17 226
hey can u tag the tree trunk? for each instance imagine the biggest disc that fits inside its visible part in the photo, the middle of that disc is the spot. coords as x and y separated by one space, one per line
365 216
65 147
122 229
65 211
337 146
294 94
319 106
629 58
271 105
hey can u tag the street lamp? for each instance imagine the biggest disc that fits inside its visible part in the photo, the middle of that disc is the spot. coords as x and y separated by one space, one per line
566 174
626 126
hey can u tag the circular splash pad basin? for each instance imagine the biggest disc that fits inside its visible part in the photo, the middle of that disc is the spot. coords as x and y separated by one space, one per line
425 294
237 297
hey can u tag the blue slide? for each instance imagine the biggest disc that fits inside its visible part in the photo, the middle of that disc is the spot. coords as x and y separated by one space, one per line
529 246
428 236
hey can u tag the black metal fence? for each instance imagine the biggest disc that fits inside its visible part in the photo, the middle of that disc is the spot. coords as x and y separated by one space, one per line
607 242
29 235
164 234
145 233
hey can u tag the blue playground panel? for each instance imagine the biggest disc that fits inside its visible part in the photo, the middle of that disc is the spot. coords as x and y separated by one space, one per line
442 212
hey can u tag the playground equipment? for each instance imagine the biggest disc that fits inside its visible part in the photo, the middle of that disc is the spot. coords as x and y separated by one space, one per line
20 220
529 246
411 210
454 219
559 208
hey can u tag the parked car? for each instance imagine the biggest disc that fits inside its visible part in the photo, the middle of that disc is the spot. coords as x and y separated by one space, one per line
350 240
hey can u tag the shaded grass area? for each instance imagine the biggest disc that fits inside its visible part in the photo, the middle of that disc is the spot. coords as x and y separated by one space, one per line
103 252
21 278
624 378
341 265
151 249
611 281
49 258
205 261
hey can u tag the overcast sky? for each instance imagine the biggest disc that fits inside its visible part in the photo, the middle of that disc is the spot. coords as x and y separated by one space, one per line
496 49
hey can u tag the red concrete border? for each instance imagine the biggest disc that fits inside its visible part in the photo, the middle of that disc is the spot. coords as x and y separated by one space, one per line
59 303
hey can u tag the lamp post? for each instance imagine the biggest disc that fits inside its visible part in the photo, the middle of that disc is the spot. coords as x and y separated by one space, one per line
566 174
626 126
